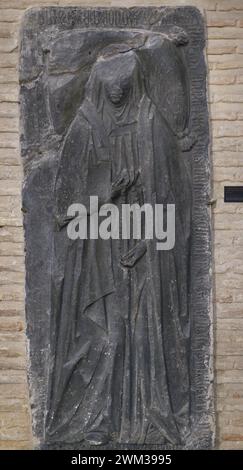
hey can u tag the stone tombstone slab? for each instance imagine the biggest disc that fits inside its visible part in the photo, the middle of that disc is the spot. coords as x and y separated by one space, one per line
113 103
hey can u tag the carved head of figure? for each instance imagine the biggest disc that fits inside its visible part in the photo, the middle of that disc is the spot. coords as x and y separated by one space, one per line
116 78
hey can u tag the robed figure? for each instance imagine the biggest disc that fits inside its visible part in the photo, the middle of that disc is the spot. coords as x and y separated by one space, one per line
120 332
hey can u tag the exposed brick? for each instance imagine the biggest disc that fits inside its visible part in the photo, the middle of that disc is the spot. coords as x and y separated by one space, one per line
9 156
11 234
12 391
231 444
228 174
219 46
8 75
225 33
9 140
8 60
227 129
16 445
8 45
10 188
217 77
11 324
14 426
234 310
16 249
221 19
226 5
8 93
14 363
13 173
8 110
231 324
10 15
226 61
229 348
224 404
228 143
231 376
227 94
225 111
233 418
9 124
11 221
13 405
23 4
7 30
8 208
233 391
239 79
239 48
232 221
228 295
13 292
11 263
226 238
8 278
229 363
16 337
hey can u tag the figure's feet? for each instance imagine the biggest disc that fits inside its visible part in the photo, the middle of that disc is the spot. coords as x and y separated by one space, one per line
97 438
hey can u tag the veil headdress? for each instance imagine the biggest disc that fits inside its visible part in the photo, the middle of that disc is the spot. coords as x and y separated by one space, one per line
112 59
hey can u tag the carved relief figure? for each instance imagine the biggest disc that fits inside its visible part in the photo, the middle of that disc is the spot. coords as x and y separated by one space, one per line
120 362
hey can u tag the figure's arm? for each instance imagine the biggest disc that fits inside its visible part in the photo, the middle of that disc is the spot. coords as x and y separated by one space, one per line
69 180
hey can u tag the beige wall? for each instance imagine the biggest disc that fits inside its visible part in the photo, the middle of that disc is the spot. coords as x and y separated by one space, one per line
225 61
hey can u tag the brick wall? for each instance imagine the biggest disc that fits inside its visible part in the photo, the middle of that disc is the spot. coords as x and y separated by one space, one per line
224 19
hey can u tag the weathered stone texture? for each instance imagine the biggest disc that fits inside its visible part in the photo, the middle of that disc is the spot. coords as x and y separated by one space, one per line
225 48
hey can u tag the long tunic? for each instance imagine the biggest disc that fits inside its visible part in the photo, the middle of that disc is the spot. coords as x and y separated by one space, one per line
120 336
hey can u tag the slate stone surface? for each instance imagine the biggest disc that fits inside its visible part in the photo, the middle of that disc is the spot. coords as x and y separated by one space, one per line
113 103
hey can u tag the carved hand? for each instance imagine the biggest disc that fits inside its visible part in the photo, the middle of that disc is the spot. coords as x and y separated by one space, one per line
123 181
130 259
